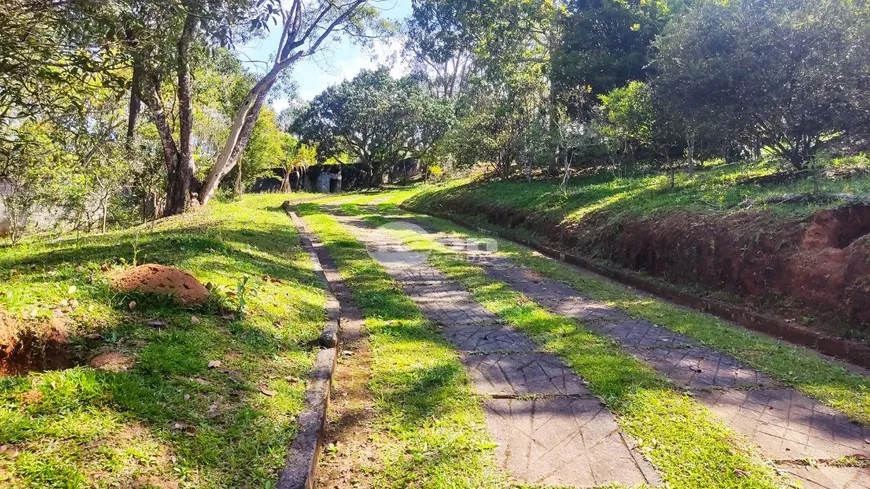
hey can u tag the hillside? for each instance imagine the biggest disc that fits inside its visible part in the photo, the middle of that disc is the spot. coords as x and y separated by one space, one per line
741 233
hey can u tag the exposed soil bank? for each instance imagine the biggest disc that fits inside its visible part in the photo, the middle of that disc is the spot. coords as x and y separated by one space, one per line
820 266
32 353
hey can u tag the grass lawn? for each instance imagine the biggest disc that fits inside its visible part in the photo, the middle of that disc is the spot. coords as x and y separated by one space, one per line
681 438
713 190
814 375
168 420
430 430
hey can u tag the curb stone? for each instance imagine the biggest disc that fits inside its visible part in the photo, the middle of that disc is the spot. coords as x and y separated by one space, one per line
848 351
301 463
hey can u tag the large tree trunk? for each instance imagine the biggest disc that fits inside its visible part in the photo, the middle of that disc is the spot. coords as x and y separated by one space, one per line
285 182
240 134
134 107
690 143
294 36
179 184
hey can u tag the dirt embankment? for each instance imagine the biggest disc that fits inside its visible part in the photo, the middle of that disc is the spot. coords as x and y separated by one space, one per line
818 267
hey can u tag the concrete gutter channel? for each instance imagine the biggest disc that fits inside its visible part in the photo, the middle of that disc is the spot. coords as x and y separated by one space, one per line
301 465
848 351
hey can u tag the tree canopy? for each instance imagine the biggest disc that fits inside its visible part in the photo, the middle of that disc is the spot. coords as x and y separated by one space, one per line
376 120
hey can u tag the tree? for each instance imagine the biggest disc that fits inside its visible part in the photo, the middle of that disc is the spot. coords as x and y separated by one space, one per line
440 46
376 120
492 55
294 156
263 153
790 73
606 43
629 119
51 60
305 28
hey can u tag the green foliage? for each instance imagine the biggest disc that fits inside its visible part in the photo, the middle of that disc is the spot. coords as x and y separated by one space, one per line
788 74
606 43
375 120
168 420
628 117
430 430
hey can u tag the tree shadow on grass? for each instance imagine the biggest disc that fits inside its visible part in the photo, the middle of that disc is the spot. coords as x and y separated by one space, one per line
169 418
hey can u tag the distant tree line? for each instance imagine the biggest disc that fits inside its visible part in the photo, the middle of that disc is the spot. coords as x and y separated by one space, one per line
541 85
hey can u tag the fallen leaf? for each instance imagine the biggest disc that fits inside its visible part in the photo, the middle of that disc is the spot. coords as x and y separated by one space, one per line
132 305
214 363
187 397
72 289
194 319
213 411
265 390
59 313
291 379
74 303
154 323
200 381
64 303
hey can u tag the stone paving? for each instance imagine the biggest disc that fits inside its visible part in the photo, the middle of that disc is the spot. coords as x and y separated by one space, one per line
549 428
786 425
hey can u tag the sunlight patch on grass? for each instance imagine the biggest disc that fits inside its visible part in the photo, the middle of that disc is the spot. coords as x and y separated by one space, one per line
431 431
683 439
169 419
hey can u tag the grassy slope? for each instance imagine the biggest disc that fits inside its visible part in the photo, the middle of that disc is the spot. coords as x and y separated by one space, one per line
712 191
803 369
169 419
430 426
682 439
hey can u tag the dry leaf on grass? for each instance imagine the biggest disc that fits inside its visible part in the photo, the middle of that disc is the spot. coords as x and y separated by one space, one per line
265 390
214 363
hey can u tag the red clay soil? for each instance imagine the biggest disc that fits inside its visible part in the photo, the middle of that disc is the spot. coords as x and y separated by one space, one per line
111 361
23 350
160 279
820 265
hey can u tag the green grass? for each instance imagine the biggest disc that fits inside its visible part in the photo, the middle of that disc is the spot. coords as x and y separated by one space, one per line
169 419
713 190
816 376
680 437
430 426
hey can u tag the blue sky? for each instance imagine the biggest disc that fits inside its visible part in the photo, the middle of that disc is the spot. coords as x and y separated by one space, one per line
336 62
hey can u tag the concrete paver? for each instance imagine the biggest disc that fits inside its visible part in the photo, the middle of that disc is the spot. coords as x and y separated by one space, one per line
549 440
548 427
487 339
788 425
522 374
831 477
785 424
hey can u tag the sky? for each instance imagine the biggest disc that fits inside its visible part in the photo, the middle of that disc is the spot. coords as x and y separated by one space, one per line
337 62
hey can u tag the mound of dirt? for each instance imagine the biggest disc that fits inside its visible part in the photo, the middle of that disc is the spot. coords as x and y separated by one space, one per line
111 362
159 279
